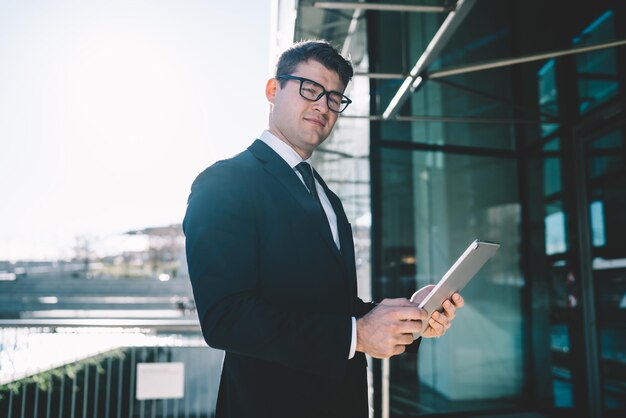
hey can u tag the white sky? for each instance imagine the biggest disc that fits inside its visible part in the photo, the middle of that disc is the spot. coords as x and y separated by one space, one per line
109 109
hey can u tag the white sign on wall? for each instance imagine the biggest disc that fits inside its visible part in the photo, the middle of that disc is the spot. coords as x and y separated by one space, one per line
160 381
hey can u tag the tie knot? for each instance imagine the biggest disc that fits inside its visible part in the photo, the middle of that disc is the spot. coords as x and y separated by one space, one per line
307 175
305 169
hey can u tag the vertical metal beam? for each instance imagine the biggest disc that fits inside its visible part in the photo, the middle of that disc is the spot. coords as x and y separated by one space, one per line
142 403
434 48
198 398
62 395
107 404
131 395
74 390
187 394
85 390
567 98
11 403
590 330
96 391
385 389
24 393
523 193
36 405
49 397
208 394
120 385
153 410
155 358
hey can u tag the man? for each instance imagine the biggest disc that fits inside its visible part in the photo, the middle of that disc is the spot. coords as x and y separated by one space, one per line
271 260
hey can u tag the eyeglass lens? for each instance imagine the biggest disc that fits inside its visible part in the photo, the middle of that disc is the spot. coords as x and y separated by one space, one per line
313 91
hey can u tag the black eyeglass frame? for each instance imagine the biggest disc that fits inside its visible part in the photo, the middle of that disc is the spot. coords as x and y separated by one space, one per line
344 99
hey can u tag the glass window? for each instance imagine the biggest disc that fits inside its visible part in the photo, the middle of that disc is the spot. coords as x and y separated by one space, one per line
596 210
606 156
548 96
596 70
562 388
551 176
606 188
555 229
433 206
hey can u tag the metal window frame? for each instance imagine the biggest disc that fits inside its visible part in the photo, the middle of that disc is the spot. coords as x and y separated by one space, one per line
437 44
521 60
381 7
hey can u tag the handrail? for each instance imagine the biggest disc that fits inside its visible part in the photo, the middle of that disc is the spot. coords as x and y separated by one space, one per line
92 365
166 324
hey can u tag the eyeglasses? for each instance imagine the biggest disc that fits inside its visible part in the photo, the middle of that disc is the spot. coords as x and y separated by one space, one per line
314 91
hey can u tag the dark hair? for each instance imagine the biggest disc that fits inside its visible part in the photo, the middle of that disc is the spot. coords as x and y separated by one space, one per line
320 51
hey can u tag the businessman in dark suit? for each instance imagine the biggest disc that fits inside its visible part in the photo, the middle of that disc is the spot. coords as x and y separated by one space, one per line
271 260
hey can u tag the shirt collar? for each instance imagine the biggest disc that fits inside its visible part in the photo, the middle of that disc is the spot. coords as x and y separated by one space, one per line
281 148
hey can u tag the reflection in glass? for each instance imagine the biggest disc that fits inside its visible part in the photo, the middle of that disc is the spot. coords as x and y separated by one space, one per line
606 188
606 157
552 176
434 205
555 233
548 103
597 223
561 375
552 169
596 70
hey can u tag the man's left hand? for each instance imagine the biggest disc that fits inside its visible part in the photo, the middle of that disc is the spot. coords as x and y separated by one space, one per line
439 322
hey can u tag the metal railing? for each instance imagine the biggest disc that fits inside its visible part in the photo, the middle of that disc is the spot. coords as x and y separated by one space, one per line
88 368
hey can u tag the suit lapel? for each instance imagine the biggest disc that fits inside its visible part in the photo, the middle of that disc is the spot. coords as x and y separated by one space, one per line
345 239
281 171
343 226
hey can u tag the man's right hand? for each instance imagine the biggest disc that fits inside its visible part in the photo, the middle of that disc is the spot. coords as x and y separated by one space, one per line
389 327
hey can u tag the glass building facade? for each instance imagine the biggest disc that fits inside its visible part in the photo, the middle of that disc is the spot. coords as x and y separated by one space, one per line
512 131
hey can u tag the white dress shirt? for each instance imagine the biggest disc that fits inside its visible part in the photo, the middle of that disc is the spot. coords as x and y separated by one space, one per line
292 158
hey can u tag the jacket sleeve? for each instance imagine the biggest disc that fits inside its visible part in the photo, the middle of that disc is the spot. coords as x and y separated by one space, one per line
363 308
414 346
222 254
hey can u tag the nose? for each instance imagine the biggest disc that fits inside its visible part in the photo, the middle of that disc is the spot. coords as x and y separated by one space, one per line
321 105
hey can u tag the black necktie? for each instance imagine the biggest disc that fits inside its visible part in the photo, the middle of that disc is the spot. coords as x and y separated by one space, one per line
307 174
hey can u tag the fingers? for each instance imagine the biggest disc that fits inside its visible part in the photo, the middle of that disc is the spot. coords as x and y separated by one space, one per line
404 339
449 309
406 320
438 324
438 328
410 313
386 329
442 320
458 300
408 327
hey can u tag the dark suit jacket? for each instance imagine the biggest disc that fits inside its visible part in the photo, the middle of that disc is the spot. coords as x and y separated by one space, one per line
273 291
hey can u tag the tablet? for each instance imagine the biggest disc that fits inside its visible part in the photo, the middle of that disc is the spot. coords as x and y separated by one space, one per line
457 277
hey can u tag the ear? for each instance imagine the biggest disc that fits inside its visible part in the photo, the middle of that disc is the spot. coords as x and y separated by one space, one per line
270 89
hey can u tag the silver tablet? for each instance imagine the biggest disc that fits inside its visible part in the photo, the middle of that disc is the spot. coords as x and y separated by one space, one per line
457 277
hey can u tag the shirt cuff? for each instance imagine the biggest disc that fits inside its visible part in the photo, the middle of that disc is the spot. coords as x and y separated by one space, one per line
353 343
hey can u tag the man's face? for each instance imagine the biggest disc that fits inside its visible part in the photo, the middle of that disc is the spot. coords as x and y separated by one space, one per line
301 123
